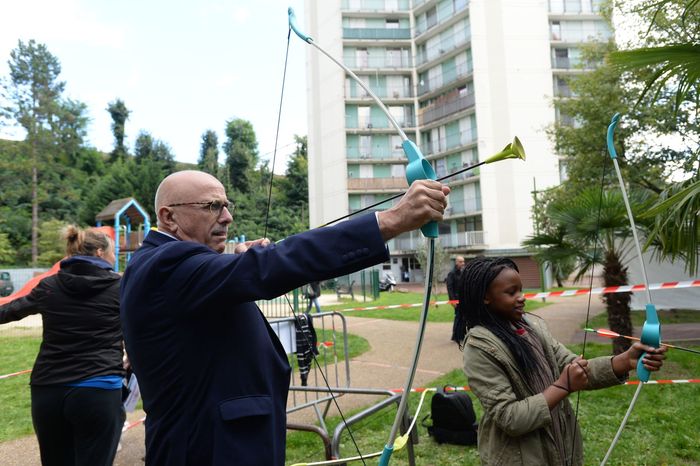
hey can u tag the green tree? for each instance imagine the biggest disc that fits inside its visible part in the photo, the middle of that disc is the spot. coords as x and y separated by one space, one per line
595 230
670 55
119 113
117 183
51 242
295 186
209 153
33 102
7 254
241 149
579 133
154 161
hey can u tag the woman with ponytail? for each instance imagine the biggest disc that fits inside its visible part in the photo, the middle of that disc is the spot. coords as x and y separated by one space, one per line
77 376
522 375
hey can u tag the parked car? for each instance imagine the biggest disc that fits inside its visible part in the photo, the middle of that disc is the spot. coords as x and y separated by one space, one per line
6 286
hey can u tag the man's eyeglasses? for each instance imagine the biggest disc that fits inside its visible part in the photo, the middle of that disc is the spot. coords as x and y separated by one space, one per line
215 207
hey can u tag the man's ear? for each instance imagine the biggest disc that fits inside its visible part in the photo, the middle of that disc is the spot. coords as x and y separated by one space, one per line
487 301
166 219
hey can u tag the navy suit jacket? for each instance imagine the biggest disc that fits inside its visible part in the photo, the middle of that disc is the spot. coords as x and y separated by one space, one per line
213 374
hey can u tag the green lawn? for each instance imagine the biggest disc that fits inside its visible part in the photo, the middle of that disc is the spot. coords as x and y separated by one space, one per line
443 313
663 428
16 354
356 346
675 316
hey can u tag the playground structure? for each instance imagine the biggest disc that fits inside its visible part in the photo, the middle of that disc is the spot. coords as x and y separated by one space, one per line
125 214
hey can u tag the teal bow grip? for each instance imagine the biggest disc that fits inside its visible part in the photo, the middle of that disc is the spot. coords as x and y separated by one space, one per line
611 131
651 336
386 455
295 28
419 169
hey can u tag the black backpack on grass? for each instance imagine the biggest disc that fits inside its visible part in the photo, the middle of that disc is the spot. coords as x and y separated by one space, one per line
454 420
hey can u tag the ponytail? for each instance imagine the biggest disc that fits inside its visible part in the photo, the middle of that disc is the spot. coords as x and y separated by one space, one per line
85 242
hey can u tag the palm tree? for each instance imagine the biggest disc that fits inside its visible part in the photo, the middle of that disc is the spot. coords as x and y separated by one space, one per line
594 231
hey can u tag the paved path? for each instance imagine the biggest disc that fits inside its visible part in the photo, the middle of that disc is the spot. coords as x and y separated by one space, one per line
385 365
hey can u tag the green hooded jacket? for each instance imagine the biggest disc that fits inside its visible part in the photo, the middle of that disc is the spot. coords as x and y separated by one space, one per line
516 427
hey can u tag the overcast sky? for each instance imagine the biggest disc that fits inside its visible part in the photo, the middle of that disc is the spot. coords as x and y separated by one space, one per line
181 67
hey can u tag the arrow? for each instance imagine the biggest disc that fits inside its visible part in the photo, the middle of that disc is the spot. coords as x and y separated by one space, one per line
610 334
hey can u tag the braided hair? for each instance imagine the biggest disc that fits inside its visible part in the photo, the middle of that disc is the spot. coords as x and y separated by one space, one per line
474 284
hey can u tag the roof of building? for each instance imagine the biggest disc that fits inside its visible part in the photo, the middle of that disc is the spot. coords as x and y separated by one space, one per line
133 210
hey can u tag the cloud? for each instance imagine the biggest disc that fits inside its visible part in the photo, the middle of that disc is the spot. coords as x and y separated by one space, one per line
56 21
240 14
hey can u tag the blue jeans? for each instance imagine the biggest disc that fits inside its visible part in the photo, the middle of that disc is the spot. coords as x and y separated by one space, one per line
314 301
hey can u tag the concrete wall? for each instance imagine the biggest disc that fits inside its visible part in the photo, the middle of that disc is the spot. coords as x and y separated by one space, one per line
513 88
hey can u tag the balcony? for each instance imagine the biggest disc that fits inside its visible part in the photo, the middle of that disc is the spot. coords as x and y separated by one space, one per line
431 21
450 142
371 5
376 33
463 239
388 92
563 90
463 206
381 123
561 63
440 110
379 61
377 184
444 46
374 154
462 176
460 72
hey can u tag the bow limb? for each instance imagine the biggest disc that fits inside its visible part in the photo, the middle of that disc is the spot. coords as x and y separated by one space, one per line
399 443
389 447
417 169
651 331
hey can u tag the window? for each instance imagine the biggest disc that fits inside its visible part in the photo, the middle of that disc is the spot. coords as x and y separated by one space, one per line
556 6
393 58
398 170
555 28
362 58
440 168
561 59
392 24
572 6
431 17
365 146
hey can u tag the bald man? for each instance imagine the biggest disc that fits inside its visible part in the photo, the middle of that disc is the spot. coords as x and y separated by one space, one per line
213 375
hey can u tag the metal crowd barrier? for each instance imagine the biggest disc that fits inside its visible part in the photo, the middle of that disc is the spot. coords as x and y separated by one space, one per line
317 395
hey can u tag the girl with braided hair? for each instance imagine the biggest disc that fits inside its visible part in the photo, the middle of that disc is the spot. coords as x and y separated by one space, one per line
522 375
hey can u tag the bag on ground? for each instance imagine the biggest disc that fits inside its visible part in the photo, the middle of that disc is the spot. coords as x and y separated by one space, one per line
454 420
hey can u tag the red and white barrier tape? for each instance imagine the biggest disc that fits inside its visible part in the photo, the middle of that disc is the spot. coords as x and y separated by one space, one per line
6 376
129 425
580 292
616 289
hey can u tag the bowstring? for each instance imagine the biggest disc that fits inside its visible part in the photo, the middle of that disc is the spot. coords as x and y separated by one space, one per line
590 296
291 307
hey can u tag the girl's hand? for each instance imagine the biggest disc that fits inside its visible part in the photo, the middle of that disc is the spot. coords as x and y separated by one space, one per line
653 359
574 377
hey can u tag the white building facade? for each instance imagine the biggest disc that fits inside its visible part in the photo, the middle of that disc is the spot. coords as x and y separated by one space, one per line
462 78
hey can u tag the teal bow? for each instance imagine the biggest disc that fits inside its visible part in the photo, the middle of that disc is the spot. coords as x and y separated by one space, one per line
417 169
651 331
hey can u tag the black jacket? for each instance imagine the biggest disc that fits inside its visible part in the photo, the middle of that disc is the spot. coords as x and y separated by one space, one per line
452 282
82 335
